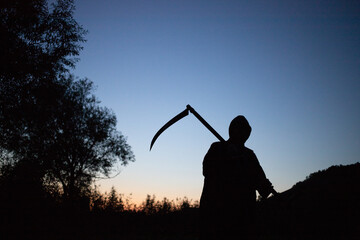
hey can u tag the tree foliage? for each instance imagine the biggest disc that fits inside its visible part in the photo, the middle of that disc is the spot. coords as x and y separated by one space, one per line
38 42
52 127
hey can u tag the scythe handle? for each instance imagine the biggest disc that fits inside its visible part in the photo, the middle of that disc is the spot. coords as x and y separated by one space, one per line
205 123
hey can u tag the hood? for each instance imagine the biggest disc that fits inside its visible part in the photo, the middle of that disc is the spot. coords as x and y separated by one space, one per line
239 130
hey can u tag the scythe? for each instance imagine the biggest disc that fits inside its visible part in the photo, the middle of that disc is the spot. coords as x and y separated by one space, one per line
182 115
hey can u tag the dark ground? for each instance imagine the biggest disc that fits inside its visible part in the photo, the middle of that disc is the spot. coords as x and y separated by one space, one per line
324 206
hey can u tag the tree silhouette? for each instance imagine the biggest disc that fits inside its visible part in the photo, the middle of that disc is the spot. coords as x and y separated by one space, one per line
52 129
86 142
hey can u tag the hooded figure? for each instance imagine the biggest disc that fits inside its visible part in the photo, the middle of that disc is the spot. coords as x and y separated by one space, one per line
232 175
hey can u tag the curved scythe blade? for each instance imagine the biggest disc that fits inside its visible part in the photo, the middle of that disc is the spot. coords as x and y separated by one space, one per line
168 124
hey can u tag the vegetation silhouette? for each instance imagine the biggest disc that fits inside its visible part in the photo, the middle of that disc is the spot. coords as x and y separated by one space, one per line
53 133
55 139
324 206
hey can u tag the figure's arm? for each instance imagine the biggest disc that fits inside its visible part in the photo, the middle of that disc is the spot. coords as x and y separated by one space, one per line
263 185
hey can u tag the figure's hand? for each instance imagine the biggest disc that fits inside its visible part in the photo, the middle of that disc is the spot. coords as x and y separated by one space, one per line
274 192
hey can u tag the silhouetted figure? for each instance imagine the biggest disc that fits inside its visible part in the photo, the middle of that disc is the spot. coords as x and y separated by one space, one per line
232 175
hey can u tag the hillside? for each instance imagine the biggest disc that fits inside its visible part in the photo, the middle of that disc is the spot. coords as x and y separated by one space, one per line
326 205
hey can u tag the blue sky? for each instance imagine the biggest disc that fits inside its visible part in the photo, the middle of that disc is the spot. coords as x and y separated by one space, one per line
291 67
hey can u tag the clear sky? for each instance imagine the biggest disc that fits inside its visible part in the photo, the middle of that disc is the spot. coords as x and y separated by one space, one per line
291 67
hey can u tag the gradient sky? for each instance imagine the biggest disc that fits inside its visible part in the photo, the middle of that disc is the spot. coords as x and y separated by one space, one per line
291 67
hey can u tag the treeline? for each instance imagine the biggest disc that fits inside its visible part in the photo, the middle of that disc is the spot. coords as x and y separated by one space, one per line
115 216
96 216
324 206
115 202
